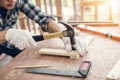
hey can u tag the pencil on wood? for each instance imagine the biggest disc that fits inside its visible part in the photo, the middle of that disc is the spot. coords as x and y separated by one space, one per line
35 66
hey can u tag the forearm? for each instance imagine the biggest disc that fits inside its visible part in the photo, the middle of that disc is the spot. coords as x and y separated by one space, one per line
53 26
2 36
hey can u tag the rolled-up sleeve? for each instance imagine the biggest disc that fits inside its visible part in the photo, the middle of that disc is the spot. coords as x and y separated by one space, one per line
35 13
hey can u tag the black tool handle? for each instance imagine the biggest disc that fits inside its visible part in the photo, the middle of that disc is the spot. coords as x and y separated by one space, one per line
48 36
38 38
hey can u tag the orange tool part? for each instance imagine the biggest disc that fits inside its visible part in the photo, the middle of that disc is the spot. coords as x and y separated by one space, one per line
98 32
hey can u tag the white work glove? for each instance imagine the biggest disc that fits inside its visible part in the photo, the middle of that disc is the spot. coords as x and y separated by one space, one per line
20 38
67 44
80 45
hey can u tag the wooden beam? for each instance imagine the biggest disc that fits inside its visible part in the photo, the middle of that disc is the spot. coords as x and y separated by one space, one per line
51 7
107 24
38 3
45 4
96 21
110 12
114 74
81 9
94 3
74 9
59 8
96 12
59 52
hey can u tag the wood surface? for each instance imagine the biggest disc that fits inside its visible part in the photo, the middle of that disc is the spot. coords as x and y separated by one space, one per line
114 74
103 53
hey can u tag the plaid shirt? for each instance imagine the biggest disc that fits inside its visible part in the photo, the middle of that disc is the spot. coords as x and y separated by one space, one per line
30 10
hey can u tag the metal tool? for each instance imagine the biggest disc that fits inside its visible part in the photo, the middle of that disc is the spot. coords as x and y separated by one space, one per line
69 32
54 72
82 72
100 32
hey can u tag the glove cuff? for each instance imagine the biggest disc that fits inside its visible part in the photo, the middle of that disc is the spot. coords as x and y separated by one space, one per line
9 34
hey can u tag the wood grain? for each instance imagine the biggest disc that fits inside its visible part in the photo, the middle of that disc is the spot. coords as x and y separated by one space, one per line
59 52
32 66
114 74
102 52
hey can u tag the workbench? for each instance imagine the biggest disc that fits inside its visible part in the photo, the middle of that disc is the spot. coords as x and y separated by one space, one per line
103 53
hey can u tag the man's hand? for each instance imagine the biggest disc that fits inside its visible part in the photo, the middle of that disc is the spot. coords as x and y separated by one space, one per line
67 44
80 45
20 38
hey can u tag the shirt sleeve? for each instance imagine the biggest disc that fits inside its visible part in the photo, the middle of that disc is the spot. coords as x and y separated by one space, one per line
35 13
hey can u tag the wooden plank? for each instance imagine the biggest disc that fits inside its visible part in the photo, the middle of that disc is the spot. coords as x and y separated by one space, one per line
96 12
110 12
58 52
59 9
95 21
94 3
81 9
32 66
38 3
22 23
45 4
28 24
74 9
96 24
51 7
114 74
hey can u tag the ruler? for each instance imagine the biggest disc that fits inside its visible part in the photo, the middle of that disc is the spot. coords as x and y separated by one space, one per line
54 72
82 72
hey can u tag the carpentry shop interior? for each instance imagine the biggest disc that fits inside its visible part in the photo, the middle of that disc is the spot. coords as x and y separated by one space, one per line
59 39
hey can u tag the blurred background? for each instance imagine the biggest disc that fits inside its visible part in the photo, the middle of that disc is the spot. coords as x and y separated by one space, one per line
81 10
75 12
